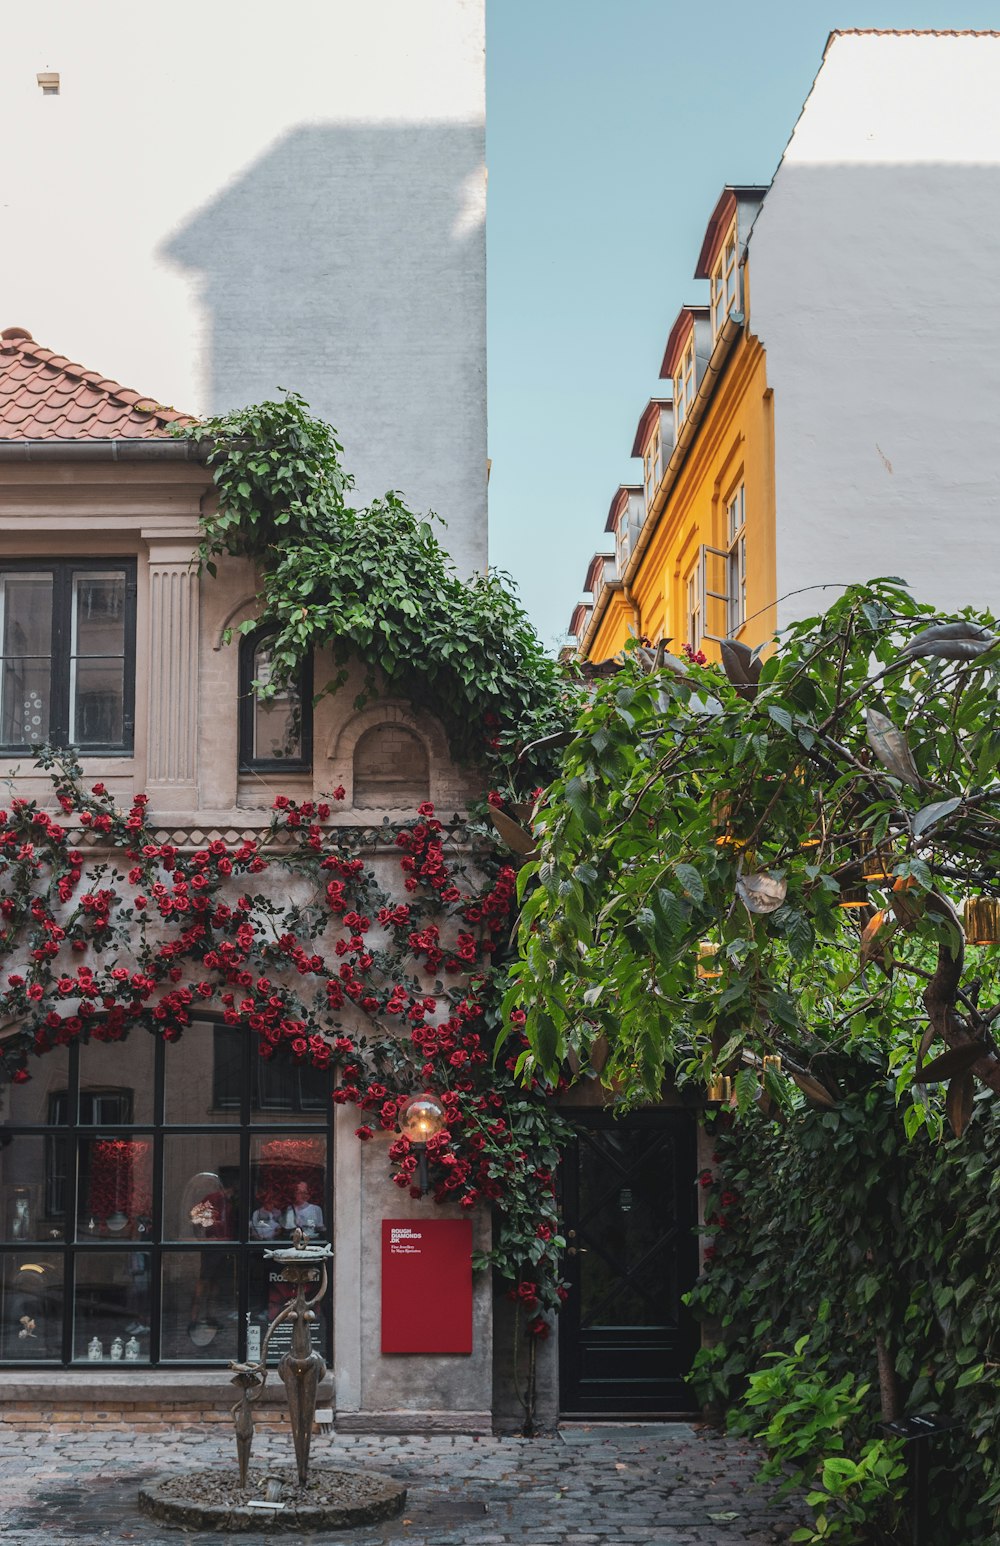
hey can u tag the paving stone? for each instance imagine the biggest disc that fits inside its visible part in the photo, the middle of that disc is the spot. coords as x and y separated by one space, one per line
591 1485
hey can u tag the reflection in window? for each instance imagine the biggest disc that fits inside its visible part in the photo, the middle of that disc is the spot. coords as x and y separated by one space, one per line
67 639
275 725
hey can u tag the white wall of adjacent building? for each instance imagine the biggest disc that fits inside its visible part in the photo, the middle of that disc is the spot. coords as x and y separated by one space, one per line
229 198
873 288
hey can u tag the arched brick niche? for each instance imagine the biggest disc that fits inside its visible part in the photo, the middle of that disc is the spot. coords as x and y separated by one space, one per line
391 769
389 759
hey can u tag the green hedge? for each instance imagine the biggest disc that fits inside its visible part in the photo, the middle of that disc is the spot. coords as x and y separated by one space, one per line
838 1227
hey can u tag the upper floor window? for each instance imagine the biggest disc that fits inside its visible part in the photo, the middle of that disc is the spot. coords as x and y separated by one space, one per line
736 561
622 541
695 615
67 655
724 282
685 382
275 727
651 466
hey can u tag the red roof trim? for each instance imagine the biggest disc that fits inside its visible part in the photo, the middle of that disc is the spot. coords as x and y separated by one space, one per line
677 340
578 622
618 502
43 396
718 225
648 418
596 569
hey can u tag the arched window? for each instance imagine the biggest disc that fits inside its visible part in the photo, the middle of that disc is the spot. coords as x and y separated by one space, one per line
391 769
275 729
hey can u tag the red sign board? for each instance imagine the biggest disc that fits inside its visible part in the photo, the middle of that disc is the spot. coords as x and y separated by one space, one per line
427 1285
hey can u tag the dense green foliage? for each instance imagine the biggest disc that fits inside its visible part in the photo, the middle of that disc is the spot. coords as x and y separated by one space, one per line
837 1227
372 584
695 854
813 1425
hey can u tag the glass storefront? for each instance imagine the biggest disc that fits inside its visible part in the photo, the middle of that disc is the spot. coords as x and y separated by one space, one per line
141 1183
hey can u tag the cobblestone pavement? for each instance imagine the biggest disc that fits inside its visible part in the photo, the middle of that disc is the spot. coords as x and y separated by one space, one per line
588 1485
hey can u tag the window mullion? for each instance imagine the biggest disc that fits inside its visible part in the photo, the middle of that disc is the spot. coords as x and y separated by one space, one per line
59 726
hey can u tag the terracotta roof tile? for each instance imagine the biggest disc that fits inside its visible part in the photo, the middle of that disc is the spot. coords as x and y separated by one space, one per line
44 396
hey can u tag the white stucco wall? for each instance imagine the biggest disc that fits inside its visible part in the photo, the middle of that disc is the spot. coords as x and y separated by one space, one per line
873 288
233 197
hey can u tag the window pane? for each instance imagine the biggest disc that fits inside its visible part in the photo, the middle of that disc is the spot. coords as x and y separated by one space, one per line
115 1188
269 1294
116 1081
31 1306
288 1178
199 1305
43 1097
99 613
201 1174
277 721
25 665
97 706
33 1188
111 1308
204 1073
284 1090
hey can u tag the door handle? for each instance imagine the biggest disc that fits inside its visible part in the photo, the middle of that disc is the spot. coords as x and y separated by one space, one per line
577 1250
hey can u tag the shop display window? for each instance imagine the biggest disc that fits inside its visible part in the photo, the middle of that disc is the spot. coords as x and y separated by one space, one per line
141 1183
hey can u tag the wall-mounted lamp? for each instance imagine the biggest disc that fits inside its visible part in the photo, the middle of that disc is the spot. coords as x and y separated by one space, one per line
49 82
720 1090
419 1119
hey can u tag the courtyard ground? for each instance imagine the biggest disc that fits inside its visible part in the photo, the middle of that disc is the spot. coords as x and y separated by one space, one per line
588 1485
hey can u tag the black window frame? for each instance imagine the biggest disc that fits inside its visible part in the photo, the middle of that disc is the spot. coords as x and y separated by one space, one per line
303 684
62 571
246 1125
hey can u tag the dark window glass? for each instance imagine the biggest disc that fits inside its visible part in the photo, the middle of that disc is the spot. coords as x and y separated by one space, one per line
275 728
139 1184
67 655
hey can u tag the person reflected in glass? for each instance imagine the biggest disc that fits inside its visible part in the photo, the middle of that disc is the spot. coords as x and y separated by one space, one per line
303 1213
217 1218
265 1220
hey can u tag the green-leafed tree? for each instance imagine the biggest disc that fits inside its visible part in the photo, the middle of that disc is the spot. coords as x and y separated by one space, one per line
771 859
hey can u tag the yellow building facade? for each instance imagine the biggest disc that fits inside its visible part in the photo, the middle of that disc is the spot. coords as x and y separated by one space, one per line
694 544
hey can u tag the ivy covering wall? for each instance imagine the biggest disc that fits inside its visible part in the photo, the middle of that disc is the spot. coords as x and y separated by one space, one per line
838 1228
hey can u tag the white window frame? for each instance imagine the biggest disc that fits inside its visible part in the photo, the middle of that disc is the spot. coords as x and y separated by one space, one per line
736 560
724 281
651 466
685 383
622 541
694 614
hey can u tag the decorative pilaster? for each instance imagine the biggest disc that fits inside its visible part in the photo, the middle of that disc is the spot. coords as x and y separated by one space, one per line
172 767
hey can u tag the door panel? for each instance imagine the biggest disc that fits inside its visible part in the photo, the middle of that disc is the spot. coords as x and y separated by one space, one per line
628 1186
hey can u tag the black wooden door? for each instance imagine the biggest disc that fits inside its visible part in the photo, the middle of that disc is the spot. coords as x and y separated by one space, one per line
625 1339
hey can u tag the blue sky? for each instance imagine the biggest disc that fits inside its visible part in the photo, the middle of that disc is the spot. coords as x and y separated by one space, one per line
612 126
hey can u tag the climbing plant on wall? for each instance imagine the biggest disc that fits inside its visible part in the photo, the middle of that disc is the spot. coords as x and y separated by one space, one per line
293 936
372 583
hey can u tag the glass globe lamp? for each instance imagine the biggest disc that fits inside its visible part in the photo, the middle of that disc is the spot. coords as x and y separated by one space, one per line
419 1119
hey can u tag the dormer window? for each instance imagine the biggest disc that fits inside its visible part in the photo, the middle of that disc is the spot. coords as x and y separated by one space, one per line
685 383
622 542
652 466
724 281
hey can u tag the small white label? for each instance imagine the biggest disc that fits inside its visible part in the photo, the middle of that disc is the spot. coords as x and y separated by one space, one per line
253 1344
255 1504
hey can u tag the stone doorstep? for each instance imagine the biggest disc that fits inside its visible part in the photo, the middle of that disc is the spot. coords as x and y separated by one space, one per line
138 1387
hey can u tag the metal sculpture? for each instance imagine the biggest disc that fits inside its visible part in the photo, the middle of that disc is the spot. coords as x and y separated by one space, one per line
300 1369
